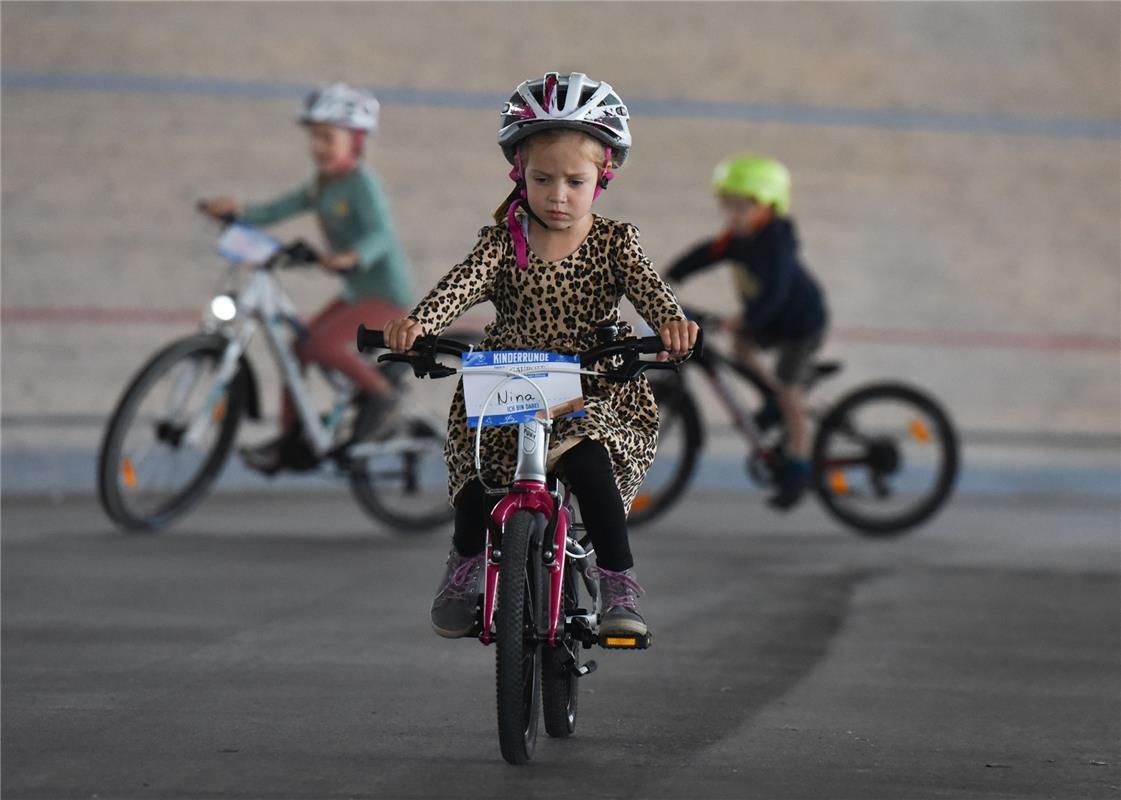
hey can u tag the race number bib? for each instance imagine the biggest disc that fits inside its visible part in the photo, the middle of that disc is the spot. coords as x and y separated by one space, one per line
517 401
244 245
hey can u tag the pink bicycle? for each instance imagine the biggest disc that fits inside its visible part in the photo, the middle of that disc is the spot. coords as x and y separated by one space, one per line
537 561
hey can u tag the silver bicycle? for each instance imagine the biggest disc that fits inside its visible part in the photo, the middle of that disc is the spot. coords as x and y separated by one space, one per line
174 426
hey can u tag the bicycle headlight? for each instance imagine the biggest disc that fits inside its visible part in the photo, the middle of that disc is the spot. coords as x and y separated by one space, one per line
223 307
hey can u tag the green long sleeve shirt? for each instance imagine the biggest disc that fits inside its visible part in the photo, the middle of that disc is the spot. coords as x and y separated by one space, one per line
353 214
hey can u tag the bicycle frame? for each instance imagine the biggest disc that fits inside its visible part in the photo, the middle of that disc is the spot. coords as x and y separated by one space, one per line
262 305
711 363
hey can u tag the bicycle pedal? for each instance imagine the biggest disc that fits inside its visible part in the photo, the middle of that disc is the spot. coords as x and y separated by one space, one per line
626 641
587 668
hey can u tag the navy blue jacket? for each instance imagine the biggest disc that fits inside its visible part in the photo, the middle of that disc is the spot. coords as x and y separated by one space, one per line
782 301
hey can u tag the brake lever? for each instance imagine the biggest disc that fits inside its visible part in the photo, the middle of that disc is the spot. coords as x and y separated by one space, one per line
634 366
420 367
423 366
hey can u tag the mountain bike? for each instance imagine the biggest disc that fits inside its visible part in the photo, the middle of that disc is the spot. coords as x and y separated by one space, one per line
176 422
537 562
884 457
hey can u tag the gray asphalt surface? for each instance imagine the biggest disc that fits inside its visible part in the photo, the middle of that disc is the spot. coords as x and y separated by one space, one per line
276 646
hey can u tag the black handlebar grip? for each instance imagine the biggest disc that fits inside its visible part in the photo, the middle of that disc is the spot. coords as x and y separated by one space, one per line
653 344
369 340
300 252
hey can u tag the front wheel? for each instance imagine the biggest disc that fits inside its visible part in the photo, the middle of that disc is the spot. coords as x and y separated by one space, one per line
518 620
169 435
885 459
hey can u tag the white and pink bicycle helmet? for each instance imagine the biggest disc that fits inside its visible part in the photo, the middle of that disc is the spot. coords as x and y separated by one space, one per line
574 101
571 101
341 105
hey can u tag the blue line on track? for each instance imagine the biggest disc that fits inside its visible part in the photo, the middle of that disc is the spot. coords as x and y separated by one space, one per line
72 469
820 116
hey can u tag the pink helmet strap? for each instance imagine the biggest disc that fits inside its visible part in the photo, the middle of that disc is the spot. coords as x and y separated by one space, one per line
517 175
521 247
607 173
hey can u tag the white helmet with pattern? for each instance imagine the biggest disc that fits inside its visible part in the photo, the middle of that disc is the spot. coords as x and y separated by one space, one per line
572 101
342 105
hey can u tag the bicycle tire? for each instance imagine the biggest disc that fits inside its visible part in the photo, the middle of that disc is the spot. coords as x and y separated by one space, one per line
560 686
676 406
372 494
517 620
109 460
949 461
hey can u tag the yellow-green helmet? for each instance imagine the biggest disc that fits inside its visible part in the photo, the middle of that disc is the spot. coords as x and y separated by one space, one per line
764 180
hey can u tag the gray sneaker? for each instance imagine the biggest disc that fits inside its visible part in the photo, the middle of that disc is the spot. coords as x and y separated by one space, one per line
453 608
619 592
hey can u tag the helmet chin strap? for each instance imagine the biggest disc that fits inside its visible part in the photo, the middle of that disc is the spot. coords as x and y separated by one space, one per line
517 233
607 175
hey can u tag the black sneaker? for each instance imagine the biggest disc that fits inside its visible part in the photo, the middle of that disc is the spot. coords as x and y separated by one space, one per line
792 483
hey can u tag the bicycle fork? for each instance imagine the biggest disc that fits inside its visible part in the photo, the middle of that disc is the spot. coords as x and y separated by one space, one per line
530 492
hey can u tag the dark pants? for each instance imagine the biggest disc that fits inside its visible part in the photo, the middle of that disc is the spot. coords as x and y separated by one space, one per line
586 470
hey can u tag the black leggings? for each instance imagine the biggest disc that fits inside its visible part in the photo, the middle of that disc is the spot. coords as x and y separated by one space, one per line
586 470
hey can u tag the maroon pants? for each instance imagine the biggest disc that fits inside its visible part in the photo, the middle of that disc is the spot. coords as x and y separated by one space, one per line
331 344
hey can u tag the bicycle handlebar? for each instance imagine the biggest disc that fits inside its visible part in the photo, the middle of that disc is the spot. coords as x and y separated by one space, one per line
297 252
423 356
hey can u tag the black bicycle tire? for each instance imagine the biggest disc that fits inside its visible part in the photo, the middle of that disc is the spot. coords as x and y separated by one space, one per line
520 572
560 686
683 405
366 494
117 428
897 525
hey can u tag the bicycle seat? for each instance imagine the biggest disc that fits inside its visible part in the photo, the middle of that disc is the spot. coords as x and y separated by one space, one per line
823 369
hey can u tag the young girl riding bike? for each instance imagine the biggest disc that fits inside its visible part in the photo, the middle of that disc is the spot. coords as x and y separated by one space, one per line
555 272
783 306
353 214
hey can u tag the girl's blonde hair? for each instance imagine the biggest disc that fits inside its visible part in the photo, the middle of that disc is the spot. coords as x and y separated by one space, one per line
592 148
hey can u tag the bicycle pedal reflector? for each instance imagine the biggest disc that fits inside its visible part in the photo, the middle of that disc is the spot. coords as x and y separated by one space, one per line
625 641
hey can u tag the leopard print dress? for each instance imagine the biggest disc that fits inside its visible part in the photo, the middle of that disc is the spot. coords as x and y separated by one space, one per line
557 306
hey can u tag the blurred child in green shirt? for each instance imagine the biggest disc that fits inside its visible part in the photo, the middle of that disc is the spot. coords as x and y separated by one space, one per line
353 214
